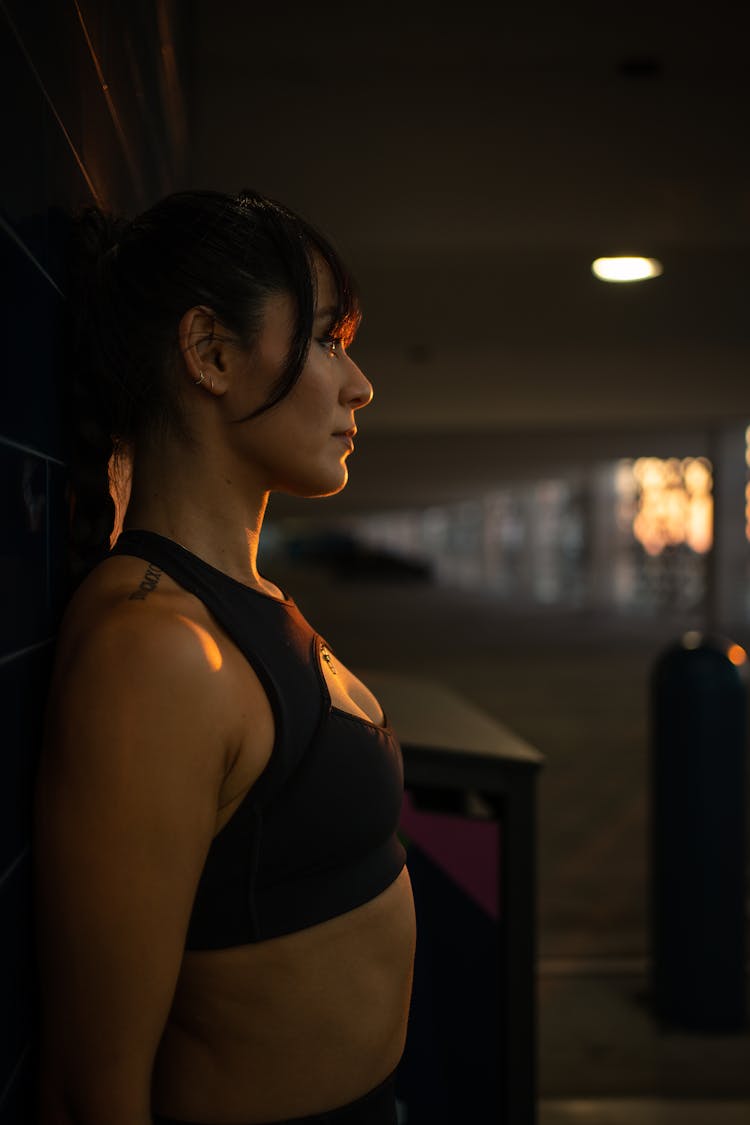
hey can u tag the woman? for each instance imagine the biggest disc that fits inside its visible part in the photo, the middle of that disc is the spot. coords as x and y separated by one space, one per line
226 925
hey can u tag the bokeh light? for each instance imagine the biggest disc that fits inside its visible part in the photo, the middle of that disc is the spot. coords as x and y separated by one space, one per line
674 502
625 268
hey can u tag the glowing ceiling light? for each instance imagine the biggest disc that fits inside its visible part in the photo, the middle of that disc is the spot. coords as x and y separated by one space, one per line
626 269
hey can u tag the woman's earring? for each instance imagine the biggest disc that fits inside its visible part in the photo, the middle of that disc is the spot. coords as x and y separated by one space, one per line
198 381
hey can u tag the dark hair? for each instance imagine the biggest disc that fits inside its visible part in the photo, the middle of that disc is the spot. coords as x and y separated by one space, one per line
129 284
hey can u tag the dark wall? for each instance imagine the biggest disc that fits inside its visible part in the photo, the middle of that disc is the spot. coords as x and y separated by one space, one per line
91 111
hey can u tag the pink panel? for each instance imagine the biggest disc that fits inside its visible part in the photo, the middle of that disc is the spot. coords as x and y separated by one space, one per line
466 850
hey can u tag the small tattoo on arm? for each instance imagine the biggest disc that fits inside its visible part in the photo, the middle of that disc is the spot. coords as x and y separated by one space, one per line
149 582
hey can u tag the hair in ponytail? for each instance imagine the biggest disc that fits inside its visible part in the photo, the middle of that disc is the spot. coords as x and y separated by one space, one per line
129 284
88 427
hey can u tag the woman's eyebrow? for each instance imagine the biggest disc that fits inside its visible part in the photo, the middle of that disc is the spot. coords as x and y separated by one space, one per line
329 310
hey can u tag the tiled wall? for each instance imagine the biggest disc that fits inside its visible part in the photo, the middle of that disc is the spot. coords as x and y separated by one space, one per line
91 107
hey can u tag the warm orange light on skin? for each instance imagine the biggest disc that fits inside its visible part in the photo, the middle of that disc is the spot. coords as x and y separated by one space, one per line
737 654
208 644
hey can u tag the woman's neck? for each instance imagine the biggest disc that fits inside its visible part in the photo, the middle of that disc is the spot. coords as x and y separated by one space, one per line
203 509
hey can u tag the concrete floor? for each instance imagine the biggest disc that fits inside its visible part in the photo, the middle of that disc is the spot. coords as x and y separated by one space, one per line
643 1111
576 687
598 1039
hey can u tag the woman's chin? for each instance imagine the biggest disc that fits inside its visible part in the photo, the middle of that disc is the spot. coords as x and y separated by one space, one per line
325 485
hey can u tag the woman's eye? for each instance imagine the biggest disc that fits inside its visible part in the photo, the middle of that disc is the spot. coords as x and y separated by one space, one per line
331 344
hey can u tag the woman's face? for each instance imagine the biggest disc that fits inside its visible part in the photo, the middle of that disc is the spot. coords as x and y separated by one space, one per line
300 446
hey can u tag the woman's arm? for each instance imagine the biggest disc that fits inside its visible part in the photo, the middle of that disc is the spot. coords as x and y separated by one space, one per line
128 791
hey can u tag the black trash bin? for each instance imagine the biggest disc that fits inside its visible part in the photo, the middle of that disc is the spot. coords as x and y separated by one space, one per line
698 835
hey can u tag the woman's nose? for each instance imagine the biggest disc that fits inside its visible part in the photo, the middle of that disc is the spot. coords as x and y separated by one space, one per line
359 388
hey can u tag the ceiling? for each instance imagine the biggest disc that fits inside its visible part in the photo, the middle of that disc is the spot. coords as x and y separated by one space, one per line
470 162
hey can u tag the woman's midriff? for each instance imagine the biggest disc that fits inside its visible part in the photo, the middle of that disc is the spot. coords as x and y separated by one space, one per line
291 1026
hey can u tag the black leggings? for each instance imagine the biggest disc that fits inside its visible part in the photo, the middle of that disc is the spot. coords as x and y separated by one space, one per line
378 1107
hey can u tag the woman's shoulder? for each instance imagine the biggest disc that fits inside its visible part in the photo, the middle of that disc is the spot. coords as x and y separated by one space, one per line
125 599
143 646
116 637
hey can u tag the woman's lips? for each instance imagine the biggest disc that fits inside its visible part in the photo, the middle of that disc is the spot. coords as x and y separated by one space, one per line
347 436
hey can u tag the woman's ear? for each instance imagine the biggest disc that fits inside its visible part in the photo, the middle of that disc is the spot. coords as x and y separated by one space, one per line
203 345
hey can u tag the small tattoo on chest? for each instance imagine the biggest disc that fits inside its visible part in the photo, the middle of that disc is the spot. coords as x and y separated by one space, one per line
325 654
148 583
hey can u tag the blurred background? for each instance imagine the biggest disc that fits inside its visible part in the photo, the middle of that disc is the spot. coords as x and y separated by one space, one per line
551 483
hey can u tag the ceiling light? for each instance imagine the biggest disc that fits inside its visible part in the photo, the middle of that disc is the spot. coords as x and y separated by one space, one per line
626 269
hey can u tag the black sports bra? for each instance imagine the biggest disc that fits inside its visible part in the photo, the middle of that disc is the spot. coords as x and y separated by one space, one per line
315 836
